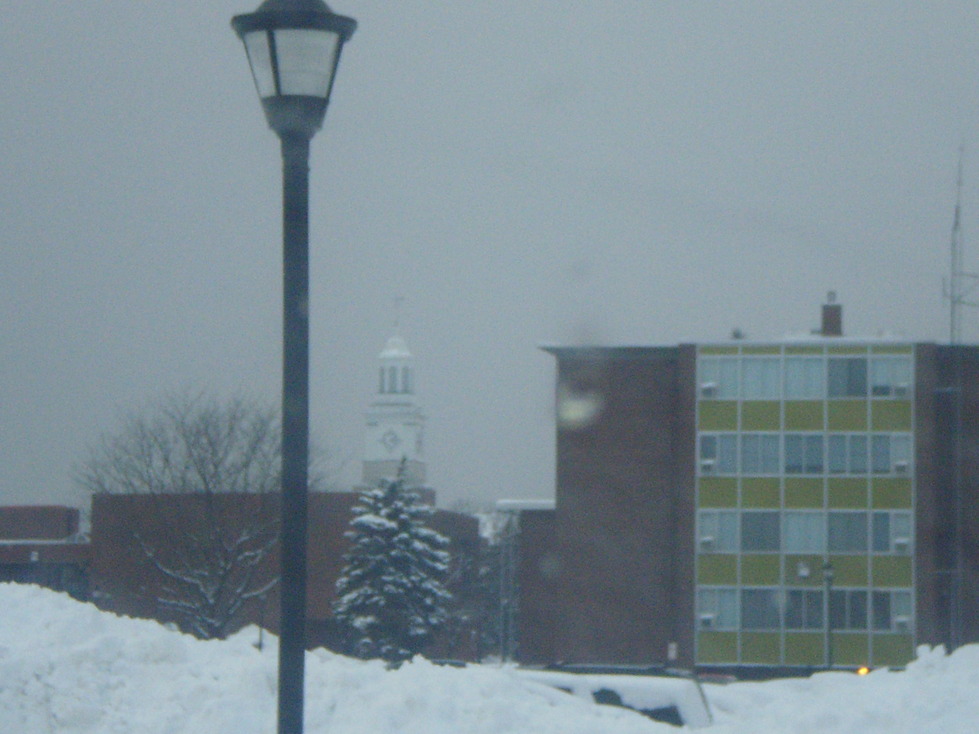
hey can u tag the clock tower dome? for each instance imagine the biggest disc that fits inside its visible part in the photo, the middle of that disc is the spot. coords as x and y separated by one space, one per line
395 424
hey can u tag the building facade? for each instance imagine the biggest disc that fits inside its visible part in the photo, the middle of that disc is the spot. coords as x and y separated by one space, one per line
792 504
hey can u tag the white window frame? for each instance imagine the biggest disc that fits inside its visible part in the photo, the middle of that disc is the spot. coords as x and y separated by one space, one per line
717 531
890 377
717 608
718 377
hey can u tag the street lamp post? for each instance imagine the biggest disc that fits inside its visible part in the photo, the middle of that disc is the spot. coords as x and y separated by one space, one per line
293 48
828 583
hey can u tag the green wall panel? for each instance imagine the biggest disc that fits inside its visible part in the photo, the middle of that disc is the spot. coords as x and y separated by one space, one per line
891 493
761 492
761 415
718 415
849 570
718 492
760 570
761 647
890 415
717 569
714 350
892 349
893 649
804 648
846 415
803 415
853 349
847 493
803 493
891 571
803 350
811 562
851 648
717 647
767 349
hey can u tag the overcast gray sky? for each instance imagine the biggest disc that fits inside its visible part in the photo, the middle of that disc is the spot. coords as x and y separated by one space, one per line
520 172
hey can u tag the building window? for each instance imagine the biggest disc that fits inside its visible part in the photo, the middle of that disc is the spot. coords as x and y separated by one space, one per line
804 532
847 377
759 453
847 532
890 377
760 609
846 453
718 378
717 608
804 609
719 453
890 611
890 453
890 532
380 387
803 453
848 609
805 378
760 531
761 378
392 379
406 380
718 531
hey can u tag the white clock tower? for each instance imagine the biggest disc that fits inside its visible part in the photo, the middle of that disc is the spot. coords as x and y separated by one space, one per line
395 424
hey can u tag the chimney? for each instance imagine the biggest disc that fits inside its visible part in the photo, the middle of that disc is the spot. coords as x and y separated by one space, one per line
832 324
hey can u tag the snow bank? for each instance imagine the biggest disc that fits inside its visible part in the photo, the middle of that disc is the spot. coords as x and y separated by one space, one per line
65 667
937 693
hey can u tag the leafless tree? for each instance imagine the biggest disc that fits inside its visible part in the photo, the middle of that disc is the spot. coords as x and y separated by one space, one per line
195 484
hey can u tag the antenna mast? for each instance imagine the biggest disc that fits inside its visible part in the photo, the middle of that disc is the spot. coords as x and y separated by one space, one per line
960 283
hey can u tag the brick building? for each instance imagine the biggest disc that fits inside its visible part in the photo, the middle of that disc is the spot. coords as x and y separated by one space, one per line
791 503
42 545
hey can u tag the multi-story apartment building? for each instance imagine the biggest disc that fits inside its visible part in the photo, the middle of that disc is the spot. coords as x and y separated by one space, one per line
796 503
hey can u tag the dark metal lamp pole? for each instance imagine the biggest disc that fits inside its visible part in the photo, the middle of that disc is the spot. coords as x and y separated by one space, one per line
293 48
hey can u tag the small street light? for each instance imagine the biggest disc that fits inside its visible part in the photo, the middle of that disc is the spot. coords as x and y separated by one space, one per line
293 48
828 583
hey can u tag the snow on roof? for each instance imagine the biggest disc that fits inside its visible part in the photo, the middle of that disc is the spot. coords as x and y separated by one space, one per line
396 348
524 504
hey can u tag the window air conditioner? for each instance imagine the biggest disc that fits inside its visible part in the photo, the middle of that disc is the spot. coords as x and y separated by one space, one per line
707 466
902 624
708 390
902 545
900 467
706 621
707 542
902 390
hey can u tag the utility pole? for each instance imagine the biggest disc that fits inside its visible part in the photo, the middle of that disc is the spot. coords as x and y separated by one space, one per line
960 284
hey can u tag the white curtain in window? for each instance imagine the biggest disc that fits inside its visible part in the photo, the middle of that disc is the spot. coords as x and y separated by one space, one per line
760 378
804 378
804 532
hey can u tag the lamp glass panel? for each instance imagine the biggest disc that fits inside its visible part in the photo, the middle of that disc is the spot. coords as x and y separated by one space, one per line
305 59
257 47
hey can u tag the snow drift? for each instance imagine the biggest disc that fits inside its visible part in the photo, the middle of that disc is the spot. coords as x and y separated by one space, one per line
66 667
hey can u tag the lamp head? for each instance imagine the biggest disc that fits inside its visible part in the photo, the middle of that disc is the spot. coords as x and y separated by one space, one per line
293 48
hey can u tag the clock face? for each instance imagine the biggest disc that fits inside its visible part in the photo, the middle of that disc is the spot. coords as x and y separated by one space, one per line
390 440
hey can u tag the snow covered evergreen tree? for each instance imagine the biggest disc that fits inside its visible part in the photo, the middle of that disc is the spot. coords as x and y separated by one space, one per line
391 595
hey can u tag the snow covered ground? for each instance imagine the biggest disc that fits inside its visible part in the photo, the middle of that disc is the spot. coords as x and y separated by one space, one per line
66 667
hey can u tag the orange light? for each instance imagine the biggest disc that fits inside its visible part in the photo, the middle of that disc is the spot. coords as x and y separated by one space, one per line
863 670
